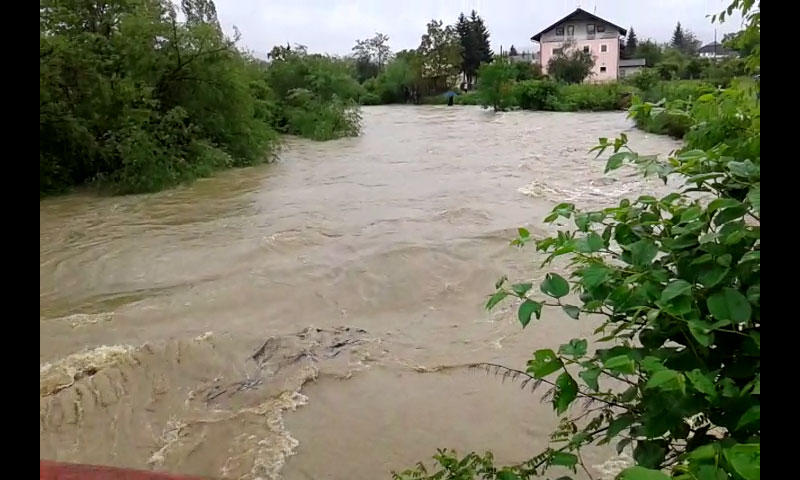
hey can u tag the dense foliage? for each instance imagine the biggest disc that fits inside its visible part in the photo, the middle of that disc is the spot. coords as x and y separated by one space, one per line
496 83
132 98
674 283
570 64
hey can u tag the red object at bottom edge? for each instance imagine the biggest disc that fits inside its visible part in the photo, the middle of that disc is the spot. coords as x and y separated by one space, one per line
68 471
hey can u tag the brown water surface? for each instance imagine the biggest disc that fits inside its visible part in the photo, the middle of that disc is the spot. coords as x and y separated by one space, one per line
308 318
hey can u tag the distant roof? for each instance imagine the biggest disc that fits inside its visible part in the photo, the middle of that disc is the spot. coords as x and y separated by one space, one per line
632 62
578 14
715 47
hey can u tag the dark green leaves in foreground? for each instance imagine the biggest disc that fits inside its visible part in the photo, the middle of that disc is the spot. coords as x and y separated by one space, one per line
555 286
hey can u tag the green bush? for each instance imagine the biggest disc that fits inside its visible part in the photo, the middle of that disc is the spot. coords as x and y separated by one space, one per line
118 110
370 98
469 98
592 97
536 94
495 84
644 79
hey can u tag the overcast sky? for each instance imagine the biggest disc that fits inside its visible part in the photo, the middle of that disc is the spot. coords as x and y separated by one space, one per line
332 26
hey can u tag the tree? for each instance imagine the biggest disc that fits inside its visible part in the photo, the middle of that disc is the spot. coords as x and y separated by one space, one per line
371 55
570 64
440 52
650 51
690 43
631 44
677 37
512 52
474 40
495 83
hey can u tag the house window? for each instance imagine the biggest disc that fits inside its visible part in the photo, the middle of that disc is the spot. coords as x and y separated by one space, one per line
601 28
603 48
570 30
590 28
560 31
556 51
586 49
602 69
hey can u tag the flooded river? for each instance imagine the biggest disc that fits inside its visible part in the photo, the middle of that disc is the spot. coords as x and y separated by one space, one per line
308 319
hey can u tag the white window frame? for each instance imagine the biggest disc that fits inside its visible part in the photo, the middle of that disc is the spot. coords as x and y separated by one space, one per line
559 29
603 69
603 48
570 30
600 28
593 28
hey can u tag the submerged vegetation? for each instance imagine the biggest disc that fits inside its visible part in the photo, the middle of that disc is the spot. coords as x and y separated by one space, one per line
675 285
135 99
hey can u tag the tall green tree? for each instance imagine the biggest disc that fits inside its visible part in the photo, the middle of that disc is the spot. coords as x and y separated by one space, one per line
481 33
631 44
677 37
475 47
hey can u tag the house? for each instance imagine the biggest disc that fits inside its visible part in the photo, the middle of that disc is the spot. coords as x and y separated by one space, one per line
589 33
715 50
629 66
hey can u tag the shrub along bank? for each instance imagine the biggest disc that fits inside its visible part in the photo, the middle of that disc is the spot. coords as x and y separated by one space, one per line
134 100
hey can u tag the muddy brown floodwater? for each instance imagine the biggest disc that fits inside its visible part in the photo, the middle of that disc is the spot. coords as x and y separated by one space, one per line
308 319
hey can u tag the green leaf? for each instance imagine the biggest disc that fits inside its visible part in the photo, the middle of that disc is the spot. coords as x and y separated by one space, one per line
704 452
571 310
507 475
754 197
753 256
643 252
575 348
674 289
499 283
582 221
523 232
594 275
544 363
649 453
701 382
710 472
615 161
691 213
745 460
729 304
590 243
495 299
713 276
564 459
551 218
526 309
619 424
521 288
701 333
555 285
621 364
590 376
729 214
751 415
666 380
566 392
722 203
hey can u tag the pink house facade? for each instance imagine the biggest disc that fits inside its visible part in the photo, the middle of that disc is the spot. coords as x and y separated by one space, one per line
589 33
